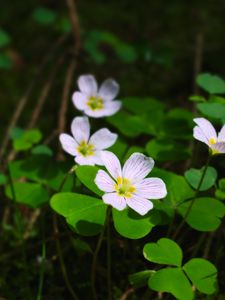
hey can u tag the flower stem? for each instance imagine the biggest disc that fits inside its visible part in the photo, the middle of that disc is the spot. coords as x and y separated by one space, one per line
109 265
95 257
58 245
193 200
42 271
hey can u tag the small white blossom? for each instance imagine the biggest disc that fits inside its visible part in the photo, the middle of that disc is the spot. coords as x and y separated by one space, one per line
206 133
87 150
128 186
94 102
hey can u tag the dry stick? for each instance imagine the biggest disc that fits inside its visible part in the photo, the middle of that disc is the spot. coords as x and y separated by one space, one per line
40 103
33 120
208 245
64 102
72 10
198 60
196 70
44 94
24 99
127 293
15 117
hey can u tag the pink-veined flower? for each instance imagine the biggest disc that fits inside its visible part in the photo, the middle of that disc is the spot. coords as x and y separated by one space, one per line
128 186
206 133
94 102
87 150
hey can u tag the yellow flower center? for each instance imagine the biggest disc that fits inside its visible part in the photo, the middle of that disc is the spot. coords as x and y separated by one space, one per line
85 149
124 187
212 141
95 102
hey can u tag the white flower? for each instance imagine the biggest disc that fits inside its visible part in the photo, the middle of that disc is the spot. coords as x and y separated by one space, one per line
206 133
128 186
96 102
87 150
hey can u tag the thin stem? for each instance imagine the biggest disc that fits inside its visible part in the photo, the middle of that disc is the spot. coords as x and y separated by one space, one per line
58 245
109 265
95 256
193 200
61 260
42 271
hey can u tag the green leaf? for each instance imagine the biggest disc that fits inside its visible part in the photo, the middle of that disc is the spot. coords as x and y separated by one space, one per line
33 136
205 213
5 38
212 84
197 98
203 274
6 62
164 150
27 139
86 175
129 125
222 184
16 133
31 194
81 246
178 188
3 179
140 279
143 105
85 214
126 53
44 16
172 280
43 169
193 176
212 110
165 251
131 225
42 149
220 194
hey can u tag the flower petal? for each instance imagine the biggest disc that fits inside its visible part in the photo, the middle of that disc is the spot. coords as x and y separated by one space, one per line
109 109
98 113
85 160
68 144
104 182
80 128
151 188
109 89
221 135
139 204
112 107
115 200
207 128
112 164
199 135
79 100
103 138
218 148
137 166
88 85
97 158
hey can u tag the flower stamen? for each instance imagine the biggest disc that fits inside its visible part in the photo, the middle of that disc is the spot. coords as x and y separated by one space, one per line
95 102
212 141
124 187
85 149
